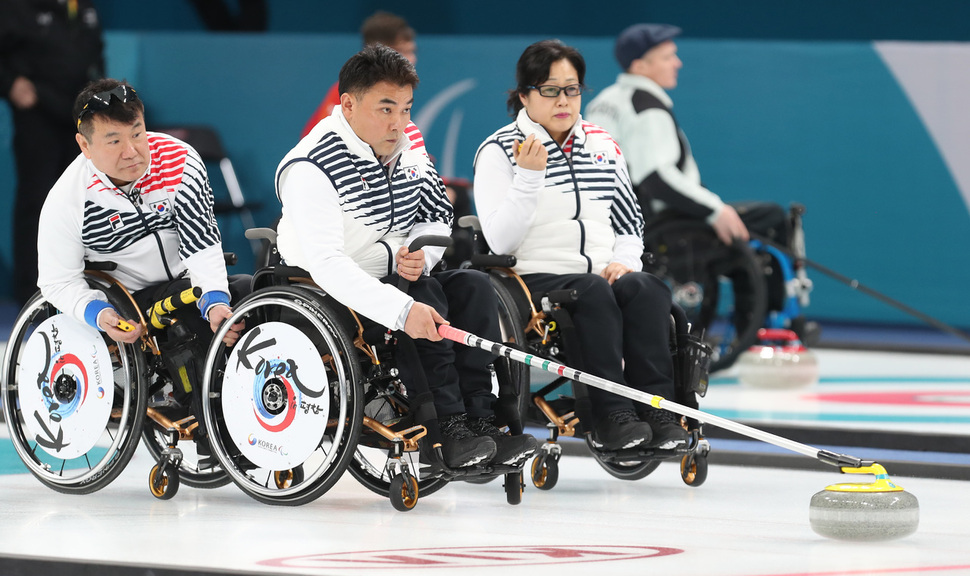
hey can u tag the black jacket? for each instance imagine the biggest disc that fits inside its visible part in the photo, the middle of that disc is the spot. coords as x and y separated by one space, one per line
55 47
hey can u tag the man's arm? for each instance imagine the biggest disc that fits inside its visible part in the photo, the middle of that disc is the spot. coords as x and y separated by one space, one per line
200 243
311 205
60 258
655 143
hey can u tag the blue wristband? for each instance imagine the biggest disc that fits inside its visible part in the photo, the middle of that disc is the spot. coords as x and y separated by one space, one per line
210 299
92 310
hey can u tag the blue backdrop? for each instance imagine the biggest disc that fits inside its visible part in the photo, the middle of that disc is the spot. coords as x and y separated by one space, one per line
825 124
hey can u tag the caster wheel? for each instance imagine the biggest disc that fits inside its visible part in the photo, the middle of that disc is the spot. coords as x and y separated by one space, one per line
513 488
545 472
163 483
693 469
287 478
404 492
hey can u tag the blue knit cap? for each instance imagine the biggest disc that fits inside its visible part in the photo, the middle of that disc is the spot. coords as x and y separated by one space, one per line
634 42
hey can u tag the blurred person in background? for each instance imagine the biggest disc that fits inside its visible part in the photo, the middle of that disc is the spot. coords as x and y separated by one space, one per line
49 51
379 28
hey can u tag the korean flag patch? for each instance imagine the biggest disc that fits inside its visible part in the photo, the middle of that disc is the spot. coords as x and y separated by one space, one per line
160 207
115 221
412 172
599 157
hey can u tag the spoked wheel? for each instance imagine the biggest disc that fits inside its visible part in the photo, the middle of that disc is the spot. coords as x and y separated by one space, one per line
545 471
286 396
388 404
71 397
631 470
163 482
404 492
511 323
721 288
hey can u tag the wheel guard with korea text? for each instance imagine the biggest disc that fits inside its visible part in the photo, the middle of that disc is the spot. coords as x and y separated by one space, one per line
66 386
275 396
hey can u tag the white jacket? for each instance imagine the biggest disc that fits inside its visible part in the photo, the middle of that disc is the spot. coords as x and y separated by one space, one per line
576 217
164 227
345 214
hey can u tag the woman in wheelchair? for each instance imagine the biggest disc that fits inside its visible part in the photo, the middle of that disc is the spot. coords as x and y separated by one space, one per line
354 192
553 190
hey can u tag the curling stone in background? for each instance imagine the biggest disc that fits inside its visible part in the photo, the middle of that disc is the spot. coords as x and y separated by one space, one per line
780 360
873 511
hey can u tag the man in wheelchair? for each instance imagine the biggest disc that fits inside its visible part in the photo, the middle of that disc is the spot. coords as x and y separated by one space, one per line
355 192
638 112
140 200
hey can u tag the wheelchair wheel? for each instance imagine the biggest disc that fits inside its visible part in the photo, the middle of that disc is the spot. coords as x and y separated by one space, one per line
285 402
628 470
387 403
511 323
545 471
72 400
721 288
163 483
191 471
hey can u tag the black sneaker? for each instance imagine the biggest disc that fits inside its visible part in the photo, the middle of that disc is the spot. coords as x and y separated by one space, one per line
461 447
511 450
668 432
622 429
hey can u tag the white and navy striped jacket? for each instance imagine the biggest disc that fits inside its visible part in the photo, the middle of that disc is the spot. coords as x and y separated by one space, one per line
346 213
576 217
162 228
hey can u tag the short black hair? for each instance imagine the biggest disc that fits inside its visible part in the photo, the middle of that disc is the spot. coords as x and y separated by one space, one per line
118 111
534 64
374 64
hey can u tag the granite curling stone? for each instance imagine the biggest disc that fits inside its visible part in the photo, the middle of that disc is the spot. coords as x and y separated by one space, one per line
870 512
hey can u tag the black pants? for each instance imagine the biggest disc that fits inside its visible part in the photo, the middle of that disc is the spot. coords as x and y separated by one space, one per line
43 149
199 332
623 331
459 376
765 219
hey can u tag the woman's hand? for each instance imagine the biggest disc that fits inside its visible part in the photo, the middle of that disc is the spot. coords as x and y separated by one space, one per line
614 270
530 154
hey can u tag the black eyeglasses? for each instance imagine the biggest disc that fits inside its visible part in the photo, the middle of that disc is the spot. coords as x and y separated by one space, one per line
102 100
550 91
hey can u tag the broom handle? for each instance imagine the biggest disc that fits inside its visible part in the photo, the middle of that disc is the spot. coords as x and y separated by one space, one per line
468 339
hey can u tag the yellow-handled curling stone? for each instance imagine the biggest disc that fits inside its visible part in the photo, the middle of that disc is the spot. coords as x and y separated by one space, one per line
879 510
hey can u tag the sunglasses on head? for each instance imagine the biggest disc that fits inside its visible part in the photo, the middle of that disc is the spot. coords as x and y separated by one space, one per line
102 100
550 91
